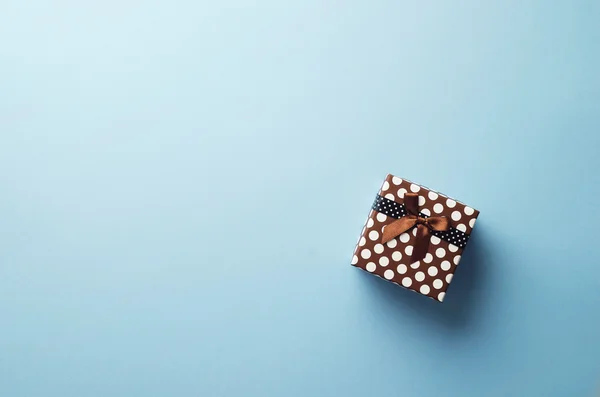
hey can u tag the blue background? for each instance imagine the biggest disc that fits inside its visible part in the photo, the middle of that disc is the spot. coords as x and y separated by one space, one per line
182 185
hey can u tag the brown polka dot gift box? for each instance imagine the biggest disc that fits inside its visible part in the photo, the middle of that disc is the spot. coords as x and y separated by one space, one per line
414 237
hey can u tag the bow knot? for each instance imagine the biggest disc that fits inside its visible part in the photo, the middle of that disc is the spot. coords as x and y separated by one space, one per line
422 221
424 226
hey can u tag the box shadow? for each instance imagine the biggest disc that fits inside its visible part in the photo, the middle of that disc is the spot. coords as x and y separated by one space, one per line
465 295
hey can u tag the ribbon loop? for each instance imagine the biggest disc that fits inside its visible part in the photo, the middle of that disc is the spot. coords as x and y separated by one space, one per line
423 225
411 203
438 223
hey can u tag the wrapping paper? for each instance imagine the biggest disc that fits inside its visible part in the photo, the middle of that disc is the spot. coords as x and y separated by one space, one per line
393 260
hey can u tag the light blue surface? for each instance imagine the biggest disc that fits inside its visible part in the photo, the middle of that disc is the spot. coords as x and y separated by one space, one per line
182 184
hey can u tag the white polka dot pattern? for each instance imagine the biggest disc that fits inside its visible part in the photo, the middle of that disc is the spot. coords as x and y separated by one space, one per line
389 207
456 235
432 275
446 266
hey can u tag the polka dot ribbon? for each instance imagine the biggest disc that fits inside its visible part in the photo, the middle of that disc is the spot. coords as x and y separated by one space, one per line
396 210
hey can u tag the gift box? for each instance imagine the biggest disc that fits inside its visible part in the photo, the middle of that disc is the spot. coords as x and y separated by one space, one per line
414 237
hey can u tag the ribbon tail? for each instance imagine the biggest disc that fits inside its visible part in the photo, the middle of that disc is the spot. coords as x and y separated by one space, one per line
421 243
396 228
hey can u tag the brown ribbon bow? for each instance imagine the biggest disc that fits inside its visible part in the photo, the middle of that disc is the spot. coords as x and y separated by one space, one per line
424 226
